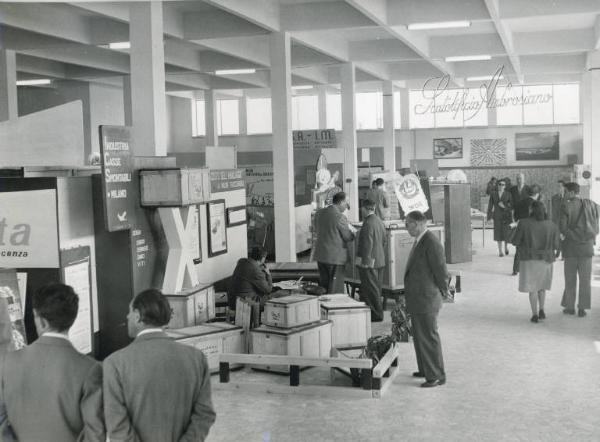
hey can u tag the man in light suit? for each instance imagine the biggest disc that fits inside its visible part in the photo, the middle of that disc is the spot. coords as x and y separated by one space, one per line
155 389
49 391
371 260
331 250
425 283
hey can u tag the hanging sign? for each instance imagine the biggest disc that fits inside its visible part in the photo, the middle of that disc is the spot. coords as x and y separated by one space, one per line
314 139
410 194
29 229
117 170
226 180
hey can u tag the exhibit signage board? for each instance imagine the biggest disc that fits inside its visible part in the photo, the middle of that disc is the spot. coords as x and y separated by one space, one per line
226 180
314 139
29 229
117 170
410 193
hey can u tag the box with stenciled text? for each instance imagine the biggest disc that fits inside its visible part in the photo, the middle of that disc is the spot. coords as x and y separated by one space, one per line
291 311
192 307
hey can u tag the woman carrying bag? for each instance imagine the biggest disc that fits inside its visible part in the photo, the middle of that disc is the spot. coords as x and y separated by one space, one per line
500 209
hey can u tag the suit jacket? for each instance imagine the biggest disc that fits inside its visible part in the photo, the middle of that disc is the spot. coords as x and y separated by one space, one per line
52 393
536 240
570 221
426 276
379 198
522 208
519 195
371 243
556 203
333 234
495 211
157 390
248 280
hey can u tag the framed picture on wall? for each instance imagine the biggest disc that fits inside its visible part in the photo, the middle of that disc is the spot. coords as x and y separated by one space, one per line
236 216
537 146
447 148
217 228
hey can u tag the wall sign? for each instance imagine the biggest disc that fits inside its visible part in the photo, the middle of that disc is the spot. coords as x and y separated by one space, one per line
410 194
226 180
29 229
217 225
117 169
236 216
314 139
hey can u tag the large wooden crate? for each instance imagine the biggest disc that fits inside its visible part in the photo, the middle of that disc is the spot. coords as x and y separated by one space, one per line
212 339
312 340
351 321
192 307
291 311
174 187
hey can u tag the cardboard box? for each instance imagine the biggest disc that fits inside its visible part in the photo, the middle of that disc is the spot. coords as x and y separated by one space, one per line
291 311
174 187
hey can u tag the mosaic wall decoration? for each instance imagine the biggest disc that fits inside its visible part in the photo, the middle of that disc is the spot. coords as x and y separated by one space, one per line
488 152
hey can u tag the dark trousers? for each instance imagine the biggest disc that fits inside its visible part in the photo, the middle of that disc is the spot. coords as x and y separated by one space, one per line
578 266
428 346
331 277
371 281
516 261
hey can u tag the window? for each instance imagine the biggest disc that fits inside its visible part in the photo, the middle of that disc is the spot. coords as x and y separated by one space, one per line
259 116
198 119
566 103
537 105
509 106
305 112
369 111
228 117
333 115
397 110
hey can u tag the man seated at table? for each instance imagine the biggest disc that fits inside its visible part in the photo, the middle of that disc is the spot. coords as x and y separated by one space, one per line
251 278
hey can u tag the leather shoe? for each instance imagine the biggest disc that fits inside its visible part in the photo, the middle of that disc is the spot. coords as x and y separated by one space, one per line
418 374
515 273
569 311
542 314
434 383
581 313
534 318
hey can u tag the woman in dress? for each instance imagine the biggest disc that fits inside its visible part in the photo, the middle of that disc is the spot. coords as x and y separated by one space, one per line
538 240
500 209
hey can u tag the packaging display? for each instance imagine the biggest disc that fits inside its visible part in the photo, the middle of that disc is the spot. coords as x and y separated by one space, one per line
212 339
291 311
174 187
192 307
351 320
312 340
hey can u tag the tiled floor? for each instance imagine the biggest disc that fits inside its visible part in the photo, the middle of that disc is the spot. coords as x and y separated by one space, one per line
508 379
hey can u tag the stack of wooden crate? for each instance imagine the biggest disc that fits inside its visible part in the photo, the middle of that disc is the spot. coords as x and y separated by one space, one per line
351 320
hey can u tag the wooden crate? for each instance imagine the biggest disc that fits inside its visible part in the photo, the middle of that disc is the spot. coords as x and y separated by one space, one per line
351 321
212 339
312 340
174 187
291 311
192 307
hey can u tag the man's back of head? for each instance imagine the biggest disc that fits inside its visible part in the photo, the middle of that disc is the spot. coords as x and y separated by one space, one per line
55 308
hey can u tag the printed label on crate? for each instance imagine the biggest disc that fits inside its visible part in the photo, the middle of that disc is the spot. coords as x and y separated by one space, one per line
226 180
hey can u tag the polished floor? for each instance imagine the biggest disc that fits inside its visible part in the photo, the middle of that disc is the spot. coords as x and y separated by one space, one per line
508 379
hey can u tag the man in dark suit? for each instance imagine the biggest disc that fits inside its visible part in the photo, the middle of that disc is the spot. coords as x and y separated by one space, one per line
520 190
371 260
156 389
49 391
377 195
425 283
251 278
331 250
522 209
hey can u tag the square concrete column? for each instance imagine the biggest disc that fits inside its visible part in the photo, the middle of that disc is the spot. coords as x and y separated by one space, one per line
128 109
210 118
590 97
8 86
322 97
283 154
389 133
243 115
147 59
348 80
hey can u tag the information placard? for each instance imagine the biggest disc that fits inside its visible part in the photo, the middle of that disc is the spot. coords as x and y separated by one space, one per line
314 139
226 180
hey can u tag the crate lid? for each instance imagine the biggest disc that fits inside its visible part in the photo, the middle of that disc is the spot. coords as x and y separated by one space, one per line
344 306
202 330
265 329
340 301
290 299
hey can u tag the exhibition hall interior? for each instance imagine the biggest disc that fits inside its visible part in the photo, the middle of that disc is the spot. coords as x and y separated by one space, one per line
300 220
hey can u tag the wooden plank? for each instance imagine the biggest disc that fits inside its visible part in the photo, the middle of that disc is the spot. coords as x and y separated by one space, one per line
385 362
302 390
386 382
295 360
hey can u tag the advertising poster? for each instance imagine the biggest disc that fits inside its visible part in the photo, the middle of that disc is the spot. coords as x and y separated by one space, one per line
410 194
12 324
217 235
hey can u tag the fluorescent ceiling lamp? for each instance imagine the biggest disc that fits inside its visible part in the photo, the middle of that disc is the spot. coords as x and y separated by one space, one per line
234 71
485 78
120 45
439 25
469 58
302 87
38 82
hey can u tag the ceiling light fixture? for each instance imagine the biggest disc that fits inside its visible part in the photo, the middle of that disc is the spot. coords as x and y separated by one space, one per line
234 71
483 57
302 87
439 25
120 45
38 82
485 78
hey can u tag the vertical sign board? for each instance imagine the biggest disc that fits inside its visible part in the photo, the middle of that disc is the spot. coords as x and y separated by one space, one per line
117 186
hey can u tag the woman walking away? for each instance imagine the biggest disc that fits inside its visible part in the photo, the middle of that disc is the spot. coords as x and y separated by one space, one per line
500 209
538 240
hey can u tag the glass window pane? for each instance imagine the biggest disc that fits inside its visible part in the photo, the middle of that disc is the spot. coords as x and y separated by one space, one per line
509 106
537 105
259 116
334 111
475 109
448 112
199 123
369 111
397 110
420 110
566 103
305 112
228 122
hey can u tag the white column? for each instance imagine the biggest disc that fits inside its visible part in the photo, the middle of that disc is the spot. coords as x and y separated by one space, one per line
243 106
128 109
8 86
147 59
210 118
322 97
283 155
348 75
590 97
389 133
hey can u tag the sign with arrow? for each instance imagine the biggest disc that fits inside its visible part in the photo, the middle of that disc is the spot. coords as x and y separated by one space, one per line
117 171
